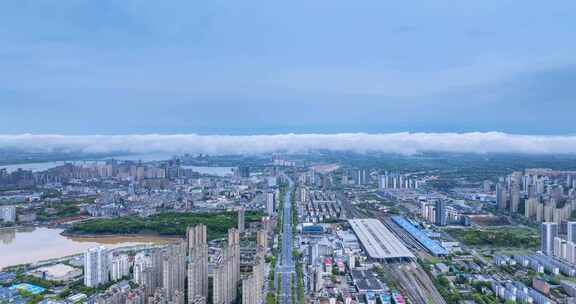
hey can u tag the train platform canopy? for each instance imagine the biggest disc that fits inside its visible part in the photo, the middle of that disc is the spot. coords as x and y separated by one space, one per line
379 242
431 245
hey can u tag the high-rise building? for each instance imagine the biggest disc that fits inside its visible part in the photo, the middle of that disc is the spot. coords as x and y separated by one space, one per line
559 248
571 232
361 177
234 262
241 224
244 172
501 197
220 280
249 290
174 273
142 261
440 213
252 286
226 275
197 265
548 231
531 207
8 214
514 198
262 240
96 266
270 202
303 195
120 267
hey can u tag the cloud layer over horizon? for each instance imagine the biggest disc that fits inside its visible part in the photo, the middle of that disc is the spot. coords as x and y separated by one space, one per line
401 143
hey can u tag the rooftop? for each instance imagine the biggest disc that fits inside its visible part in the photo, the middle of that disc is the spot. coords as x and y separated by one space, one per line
378 241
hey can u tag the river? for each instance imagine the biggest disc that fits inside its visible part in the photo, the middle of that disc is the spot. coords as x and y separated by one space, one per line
31 245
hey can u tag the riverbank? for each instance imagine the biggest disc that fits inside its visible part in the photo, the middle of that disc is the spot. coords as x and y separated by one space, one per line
31 246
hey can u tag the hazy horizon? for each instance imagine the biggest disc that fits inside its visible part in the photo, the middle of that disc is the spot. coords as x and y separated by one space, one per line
401 143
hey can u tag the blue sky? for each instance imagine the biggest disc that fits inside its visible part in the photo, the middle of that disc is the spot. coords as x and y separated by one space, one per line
254 67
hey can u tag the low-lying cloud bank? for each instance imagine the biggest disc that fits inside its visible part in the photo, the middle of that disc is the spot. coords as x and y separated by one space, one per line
403 143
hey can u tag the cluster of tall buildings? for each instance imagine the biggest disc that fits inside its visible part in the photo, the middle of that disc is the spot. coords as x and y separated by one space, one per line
16 179
552 244
397 181
434 212
438 212
178 273
541 195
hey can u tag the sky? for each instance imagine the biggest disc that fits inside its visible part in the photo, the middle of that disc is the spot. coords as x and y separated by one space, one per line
85 67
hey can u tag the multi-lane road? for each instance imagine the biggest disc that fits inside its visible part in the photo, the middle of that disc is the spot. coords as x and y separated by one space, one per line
285 269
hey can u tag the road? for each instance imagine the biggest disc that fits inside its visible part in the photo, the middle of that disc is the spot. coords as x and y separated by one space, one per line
285 269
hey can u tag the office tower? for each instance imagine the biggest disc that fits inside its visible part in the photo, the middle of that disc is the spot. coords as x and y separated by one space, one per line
197 265
241 224
120 267
270 202
548 231
96 266
571 232
440 213
174 272
8 214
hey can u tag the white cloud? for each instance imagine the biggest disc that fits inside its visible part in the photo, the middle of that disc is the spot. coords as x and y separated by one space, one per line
403 143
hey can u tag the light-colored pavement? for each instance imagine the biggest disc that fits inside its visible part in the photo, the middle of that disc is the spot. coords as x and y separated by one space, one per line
285 268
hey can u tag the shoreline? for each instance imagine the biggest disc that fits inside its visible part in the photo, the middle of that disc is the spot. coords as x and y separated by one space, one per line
135 235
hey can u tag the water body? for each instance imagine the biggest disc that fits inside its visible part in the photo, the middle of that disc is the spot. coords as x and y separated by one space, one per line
31 245
217 171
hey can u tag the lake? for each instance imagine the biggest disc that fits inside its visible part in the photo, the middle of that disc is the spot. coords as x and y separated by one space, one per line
30 245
